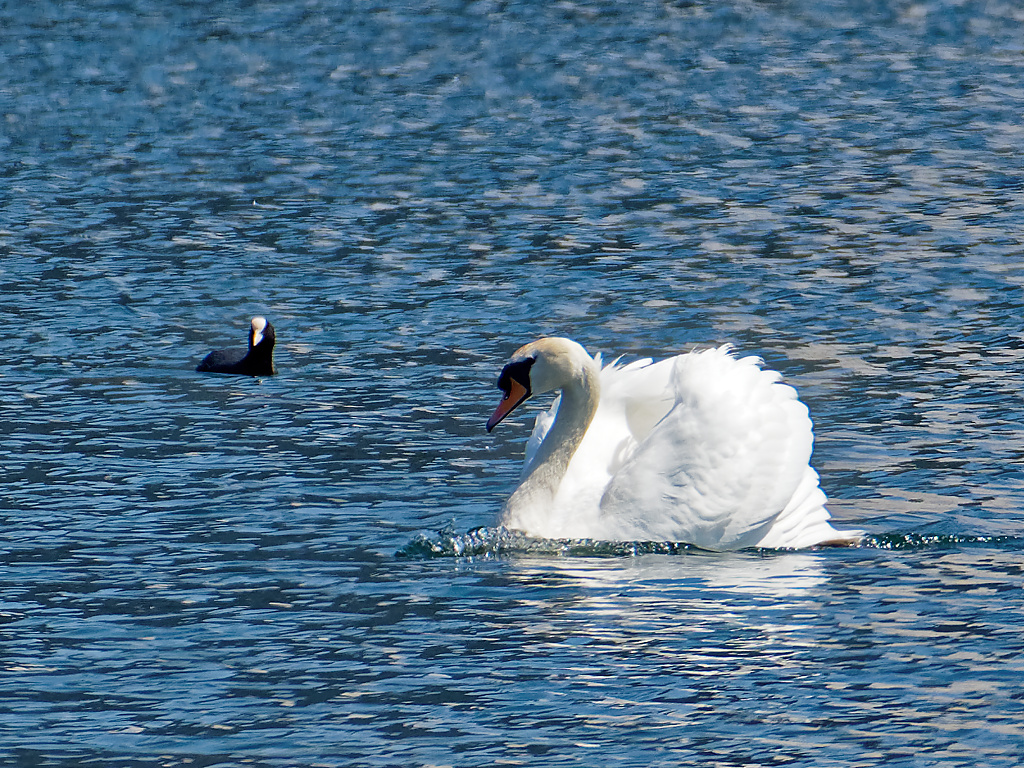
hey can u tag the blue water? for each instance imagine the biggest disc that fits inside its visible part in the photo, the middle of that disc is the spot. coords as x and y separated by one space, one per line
304 570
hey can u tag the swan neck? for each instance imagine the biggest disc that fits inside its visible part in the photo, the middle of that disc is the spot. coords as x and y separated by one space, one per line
576 408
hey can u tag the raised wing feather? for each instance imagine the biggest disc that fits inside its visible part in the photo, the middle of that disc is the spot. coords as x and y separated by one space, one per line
722 465
541 426
633 399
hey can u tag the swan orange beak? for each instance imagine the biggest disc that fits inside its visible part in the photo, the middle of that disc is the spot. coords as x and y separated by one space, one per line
515 395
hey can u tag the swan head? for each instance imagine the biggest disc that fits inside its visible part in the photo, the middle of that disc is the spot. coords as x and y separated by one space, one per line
541 366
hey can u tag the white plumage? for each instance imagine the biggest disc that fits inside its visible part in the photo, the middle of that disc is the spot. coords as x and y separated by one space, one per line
704 448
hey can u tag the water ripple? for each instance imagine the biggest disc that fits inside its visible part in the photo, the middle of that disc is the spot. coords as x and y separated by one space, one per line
200 570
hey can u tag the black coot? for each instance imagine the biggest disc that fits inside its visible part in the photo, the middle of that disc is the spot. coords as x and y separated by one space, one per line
258 360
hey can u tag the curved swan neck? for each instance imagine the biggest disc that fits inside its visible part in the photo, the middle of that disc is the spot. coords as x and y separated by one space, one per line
579 399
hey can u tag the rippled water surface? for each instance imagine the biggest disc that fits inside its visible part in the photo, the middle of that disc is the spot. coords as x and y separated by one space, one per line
305 571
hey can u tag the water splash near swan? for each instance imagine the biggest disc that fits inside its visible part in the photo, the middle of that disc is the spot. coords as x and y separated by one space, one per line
499 541
487 542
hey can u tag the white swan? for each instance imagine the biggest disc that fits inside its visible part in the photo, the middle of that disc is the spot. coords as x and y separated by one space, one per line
704 448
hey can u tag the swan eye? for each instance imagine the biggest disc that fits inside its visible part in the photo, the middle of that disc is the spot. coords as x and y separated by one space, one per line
514 383
518 372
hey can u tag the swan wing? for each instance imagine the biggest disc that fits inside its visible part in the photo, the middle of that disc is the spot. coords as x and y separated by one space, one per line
728 458
541 425
634 398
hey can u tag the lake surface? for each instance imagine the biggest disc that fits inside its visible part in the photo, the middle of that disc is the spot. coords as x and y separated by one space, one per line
305 571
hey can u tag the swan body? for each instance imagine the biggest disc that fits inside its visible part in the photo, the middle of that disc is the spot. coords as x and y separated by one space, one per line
706 448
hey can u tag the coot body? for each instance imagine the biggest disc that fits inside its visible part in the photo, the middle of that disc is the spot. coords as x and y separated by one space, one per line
258 360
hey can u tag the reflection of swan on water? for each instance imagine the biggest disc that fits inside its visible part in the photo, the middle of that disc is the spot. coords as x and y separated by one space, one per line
781 575
704 448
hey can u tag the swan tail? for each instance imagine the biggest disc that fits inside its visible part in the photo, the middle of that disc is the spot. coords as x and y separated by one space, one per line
805 521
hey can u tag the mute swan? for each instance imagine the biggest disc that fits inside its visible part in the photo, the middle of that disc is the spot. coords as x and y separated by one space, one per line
258 360
704 448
